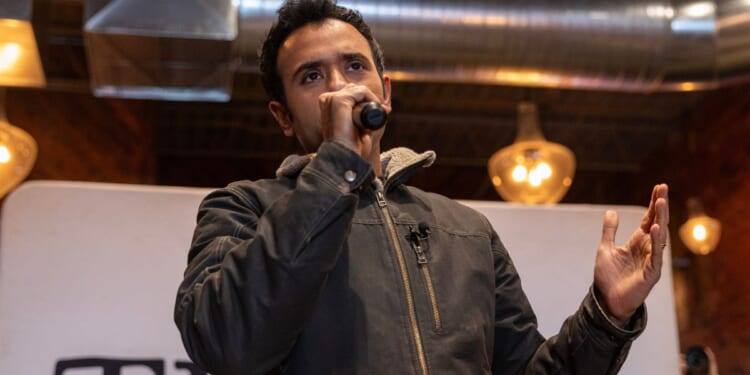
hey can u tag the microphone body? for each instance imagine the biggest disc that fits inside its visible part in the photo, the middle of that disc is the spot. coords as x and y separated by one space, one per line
369 115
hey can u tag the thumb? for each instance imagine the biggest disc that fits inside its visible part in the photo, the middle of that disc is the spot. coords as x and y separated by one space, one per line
609 228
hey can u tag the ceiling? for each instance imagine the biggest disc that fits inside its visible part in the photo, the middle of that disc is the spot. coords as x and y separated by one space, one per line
612 134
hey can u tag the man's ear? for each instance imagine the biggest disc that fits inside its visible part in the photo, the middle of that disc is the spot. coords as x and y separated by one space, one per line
282 116
387 89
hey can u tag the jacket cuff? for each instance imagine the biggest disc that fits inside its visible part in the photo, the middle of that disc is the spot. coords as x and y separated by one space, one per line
610 334
340 167
621 335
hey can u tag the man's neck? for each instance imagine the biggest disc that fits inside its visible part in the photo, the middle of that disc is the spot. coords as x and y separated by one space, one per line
374 160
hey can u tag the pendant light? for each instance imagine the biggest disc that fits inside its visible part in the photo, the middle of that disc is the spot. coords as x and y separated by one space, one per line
532 170
18 152
20 65
700 233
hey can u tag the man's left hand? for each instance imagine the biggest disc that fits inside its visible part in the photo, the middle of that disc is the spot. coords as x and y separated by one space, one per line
624 275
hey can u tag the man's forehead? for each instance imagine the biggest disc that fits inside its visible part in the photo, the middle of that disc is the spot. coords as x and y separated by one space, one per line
316 38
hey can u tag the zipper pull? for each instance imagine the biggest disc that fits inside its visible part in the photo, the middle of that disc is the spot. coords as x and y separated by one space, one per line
381 199
379 192
421 258
416 244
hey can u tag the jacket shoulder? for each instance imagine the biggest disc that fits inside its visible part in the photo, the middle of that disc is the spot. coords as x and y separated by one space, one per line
251 193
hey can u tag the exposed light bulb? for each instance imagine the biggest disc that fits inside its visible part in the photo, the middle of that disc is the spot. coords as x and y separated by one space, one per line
519 173
4 154
9 55
535 178
700 233
544 170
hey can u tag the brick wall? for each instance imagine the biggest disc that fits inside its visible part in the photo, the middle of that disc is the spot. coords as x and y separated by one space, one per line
84 138
711 160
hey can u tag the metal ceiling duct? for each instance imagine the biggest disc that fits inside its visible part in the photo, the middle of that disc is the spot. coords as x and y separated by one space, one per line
165 49
624 45
188 49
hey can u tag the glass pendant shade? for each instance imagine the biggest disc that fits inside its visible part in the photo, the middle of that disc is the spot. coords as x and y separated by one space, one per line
18 152
532 170
20 64
700 233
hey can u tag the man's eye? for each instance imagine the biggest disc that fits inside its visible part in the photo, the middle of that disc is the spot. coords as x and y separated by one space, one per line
312 76
356 66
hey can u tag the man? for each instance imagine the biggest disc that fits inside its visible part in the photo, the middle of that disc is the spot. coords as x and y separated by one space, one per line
337 267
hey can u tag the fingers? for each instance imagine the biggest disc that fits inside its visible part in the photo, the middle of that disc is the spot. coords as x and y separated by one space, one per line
336 117
609 228
710 354
336 107
648 217
663 211
713 365
658 208
683 363
349 96
659 229
658 244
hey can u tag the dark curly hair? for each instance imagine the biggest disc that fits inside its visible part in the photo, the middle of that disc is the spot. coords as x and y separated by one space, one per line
298 13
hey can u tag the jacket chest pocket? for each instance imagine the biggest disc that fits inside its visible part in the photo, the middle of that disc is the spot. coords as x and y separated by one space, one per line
455 278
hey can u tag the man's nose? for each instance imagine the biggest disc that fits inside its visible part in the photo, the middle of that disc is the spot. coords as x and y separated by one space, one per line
336 80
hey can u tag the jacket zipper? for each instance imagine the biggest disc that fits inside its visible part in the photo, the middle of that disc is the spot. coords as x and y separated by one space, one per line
431 292
404 278
416 242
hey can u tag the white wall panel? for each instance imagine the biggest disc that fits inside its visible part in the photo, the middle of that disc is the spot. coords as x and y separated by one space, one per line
91 270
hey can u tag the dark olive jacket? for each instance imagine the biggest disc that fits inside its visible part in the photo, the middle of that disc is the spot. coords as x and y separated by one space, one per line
329 270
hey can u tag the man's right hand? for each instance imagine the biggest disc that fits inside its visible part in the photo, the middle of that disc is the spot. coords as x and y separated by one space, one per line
336 109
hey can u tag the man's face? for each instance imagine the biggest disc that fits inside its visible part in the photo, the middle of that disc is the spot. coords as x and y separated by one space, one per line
317 58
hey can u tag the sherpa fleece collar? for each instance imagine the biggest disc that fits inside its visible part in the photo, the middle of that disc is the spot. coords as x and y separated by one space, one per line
395 162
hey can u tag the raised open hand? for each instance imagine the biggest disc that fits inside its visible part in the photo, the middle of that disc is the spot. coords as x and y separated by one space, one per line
624 275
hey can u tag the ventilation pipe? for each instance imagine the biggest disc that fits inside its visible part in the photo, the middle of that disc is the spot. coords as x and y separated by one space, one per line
623 45
187 49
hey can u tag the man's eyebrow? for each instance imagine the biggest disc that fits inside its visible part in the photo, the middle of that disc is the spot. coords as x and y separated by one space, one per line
316 63
353 56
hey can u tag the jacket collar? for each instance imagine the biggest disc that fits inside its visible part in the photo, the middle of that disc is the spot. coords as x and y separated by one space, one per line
398 164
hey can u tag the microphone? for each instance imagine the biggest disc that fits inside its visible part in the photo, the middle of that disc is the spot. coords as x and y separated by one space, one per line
369 115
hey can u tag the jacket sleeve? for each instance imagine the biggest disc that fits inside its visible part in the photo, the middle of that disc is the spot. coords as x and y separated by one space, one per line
253 276
588 342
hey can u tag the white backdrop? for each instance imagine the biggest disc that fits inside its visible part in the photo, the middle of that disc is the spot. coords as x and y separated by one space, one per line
90 271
